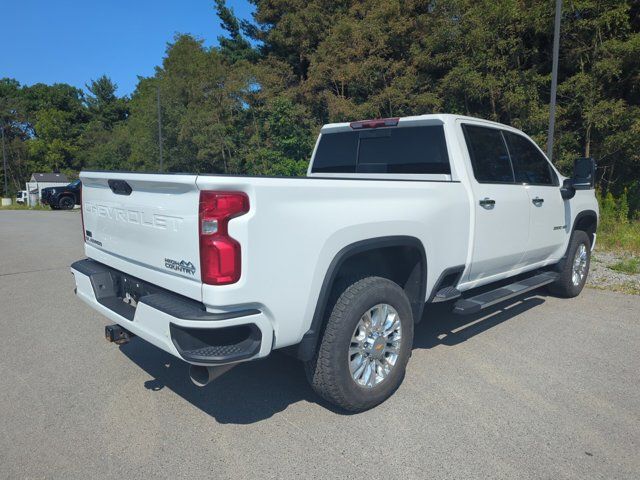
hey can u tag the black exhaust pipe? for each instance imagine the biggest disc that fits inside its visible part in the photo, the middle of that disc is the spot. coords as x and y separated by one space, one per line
201 376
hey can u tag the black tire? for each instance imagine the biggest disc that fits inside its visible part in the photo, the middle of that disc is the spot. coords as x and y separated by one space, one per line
66 203
329 372
564 286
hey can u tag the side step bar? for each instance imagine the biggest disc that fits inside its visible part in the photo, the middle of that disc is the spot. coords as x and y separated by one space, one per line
445 294
467 306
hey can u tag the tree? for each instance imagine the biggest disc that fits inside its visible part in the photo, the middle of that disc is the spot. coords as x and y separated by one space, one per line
282 143
235 48
53 121
600 93
254 103
104 106
14 134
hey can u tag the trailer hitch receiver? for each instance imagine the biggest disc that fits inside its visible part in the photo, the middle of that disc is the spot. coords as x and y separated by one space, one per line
116 334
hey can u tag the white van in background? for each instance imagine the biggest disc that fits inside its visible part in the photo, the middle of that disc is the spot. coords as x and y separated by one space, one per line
21 197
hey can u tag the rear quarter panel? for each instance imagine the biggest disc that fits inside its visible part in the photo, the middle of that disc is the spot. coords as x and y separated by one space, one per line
295 228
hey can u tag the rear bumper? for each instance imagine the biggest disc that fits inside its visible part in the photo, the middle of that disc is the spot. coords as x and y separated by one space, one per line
176 324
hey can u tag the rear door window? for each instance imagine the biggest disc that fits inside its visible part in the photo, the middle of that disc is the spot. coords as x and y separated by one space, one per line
489 155
390 150
529 165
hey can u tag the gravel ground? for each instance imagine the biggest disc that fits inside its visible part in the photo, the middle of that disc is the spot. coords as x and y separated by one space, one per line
604 278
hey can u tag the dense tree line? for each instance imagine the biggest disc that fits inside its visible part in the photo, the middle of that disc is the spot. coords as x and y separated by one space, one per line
254 104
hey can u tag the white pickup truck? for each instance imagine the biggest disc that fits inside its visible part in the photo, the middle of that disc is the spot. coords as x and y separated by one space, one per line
335 268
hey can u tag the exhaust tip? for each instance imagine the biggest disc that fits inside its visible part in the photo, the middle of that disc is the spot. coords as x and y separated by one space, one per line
201 376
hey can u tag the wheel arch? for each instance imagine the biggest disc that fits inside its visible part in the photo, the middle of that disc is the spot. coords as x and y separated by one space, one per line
355 259
587 221
70 195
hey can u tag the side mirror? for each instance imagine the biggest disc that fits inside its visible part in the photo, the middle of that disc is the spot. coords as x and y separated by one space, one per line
567 190
584 173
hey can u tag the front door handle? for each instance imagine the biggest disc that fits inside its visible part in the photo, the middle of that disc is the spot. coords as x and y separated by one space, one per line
487 202
538 201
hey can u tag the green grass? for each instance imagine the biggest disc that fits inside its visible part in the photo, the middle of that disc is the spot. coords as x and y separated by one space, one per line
630 265
619 236
17 206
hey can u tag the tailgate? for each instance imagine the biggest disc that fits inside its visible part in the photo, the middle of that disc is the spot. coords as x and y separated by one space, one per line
145 225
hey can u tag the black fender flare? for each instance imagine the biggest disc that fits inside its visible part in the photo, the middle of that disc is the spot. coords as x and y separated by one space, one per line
579 216
583 214
307 346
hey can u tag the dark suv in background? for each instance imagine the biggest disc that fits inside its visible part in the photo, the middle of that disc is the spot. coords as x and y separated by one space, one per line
63 198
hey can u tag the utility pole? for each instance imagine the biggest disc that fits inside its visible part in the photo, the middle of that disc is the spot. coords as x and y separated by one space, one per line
554 79
159 128
4 162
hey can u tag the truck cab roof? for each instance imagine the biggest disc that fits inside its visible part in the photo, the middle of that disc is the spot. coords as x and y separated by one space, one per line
426 119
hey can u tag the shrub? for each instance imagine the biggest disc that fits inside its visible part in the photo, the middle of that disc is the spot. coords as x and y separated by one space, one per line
616 231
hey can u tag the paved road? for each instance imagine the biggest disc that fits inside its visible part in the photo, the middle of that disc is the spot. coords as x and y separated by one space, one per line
545 388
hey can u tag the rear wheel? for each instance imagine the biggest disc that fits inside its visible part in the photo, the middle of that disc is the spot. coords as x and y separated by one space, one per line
575 269
66 203
365 347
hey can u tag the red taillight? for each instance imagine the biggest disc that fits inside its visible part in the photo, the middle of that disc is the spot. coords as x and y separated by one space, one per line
219 253
377 123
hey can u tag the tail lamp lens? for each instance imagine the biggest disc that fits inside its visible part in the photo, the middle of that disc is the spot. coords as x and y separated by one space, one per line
219 253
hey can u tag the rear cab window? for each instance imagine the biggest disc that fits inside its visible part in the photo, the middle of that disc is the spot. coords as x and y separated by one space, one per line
417 149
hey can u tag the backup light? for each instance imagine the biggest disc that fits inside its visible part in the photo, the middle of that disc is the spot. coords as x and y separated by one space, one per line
209 227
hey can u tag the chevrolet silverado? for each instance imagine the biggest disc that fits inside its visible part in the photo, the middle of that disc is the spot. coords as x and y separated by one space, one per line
335 268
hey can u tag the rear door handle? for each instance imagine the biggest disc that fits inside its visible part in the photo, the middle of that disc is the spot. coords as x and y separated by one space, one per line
538 201
487 202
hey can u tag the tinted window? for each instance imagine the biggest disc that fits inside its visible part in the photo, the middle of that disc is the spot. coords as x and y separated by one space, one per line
529 165
403 150
489 156
390 150
336 153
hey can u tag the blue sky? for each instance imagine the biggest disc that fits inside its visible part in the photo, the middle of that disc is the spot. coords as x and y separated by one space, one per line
74 41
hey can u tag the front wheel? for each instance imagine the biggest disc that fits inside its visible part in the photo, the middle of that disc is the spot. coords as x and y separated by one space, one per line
575 269
363 353
66 203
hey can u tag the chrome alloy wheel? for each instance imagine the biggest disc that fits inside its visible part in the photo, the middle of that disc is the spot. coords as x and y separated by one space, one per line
579 269
375 345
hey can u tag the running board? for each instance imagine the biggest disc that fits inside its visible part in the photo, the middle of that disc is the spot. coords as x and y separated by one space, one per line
466 306
445 294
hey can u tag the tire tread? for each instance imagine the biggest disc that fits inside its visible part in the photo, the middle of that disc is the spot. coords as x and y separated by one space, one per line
563 286
321 370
